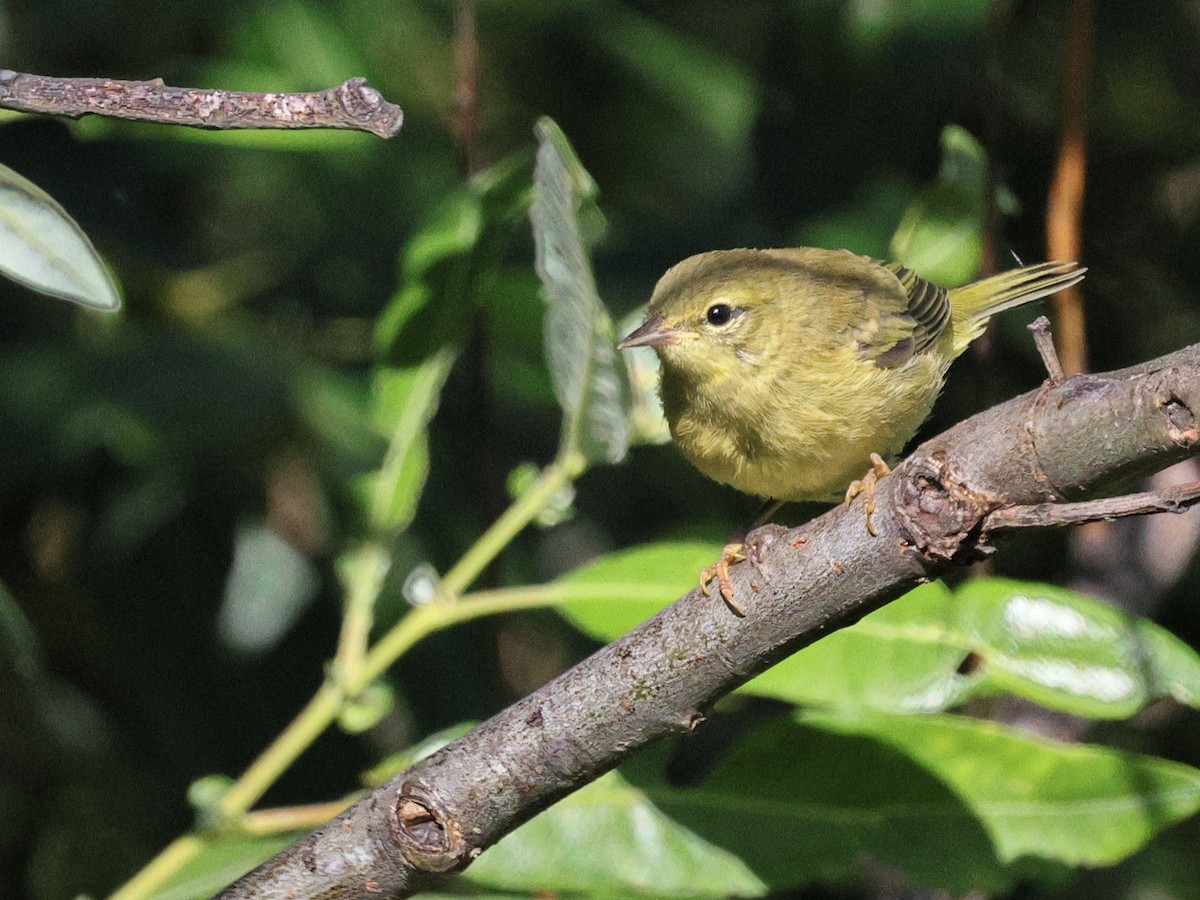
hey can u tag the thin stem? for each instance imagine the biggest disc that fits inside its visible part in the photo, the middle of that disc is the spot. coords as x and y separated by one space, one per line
316 716
363 576
267 822
172 858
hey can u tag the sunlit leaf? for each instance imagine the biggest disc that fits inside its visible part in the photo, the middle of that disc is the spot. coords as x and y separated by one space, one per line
588 379
43 248
610 596
647 423
1071 803
1065 651
606 838
903 658
931 650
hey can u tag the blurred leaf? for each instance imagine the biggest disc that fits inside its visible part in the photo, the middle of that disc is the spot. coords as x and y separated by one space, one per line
223 860
269 586
514 314
367 709
957 804
865 222
443 263
621 590
873 25
18 641
405 399
43 248
930 650
423 327
941 234
580 340
606 838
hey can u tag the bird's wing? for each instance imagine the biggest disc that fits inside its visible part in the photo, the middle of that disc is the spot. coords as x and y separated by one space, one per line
905 323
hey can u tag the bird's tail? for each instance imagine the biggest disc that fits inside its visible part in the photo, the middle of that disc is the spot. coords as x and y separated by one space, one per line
973 304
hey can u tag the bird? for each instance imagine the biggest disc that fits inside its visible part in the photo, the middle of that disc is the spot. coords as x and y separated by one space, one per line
785 373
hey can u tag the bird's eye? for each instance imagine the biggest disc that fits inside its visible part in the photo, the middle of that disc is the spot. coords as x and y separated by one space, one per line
719 314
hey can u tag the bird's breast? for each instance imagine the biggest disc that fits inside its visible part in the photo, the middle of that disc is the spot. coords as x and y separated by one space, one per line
804 436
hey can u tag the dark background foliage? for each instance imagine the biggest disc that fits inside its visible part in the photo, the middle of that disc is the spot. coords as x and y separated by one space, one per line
136 451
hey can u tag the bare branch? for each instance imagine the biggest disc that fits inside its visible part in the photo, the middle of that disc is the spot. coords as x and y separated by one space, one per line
353 104
1019 464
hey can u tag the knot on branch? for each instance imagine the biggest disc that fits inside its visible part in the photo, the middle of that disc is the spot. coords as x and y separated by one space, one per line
430 839
941 516
1169 399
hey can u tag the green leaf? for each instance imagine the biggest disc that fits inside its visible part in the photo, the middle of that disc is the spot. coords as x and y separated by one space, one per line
1067 652
443 263
1075 804
903 658
941 234
608 837
589 381
930 650
43 248
404 401
611 595
958 804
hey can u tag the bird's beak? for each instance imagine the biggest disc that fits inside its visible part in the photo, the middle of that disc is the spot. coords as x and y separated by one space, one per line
653 333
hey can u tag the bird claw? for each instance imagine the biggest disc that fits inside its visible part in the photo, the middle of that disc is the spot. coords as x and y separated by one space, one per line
866 485
719 572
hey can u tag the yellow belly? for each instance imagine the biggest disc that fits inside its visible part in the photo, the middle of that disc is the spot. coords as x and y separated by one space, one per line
810 439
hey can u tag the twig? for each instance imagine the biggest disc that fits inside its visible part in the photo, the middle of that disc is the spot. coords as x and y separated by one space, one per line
1044 341
1064 205
939 508
354 104
1172 499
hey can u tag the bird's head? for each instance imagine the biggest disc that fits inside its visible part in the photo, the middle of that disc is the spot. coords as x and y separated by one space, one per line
712 316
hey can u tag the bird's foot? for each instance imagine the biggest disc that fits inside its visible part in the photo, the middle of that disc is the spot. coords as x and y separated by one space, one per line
719 572
866 485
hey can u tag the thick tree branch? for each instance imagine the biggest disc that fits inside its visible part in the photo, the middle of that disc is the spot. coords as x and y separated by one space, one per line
1026 462
354 104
